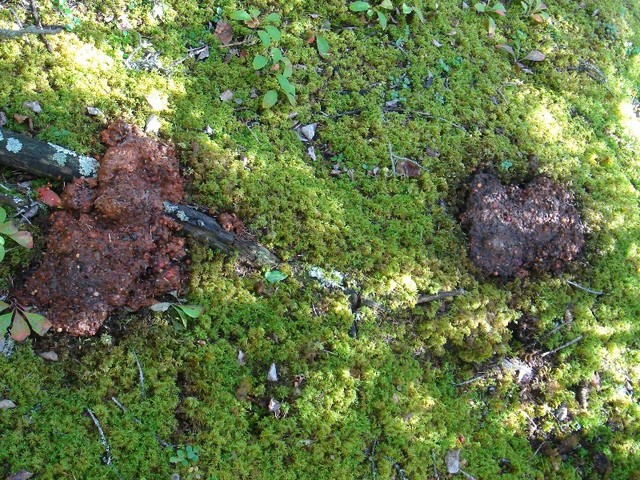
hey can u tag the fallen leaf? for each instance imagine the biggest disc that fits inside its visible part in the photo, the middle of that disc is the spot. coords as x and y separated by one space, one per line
21 475
274 407
20 329
311 37
33 106
226 95
272 376
452 460
507 48
408 168
6 404
50 356
224 33
241 360
312 153
153 124
48 197
535 56
20 118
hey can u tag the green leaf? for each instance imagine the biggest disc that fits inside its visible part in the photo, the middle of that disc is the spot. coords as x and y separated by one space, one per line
3 215
2 252
182 316
286 85
8 228
276 54
491 26
386 4
323 45
260 61
194 311
5 321
419 14
270 99
499 9
23 238
241 15
39 323
4 305
274 276
359 6
288 67
406 9
291 98
264 38
382 19
255 13
272 18
19 330
273 32
480 7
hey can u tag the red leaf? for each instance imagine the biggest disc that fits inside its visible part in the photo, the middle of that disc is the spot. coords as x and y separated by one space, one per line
48 197
224 33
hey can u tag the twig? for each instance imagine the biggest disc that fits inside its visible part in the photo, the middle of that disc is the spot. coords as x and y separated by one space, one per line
565 345
9 33
107 458
537 450
436 475
246 41
161 442
429 115
469 476
36 18
588 290
140 374
372 458
471 380
440 296
398 468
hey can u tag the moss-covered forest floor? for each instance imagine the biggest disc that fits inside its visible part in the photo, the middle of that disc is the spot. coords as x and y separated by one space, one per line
528 378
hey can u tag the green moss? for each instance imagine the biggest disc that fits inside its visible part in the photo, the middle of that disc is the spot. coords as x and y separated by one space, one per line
350 406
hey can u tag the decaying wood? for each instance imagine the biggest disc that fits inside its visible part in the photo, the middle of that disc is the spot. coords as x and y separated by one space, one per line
50 160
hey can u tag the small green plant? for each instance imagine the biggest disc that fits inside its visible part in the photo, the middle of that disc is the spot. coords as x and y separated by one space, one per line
10 230
384 9
185 456
399 86
514 51
63 7
491 11
184 311
274 276
21 322
535 10
271 57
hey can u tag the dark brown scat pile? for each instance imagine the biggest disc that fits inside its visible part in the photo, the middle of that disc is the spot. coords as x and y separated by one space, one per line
513 231
112 246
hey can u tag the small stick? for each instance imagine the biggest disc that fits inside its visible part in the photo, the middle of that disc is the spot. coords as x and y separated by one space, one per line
568 344
140 374
399 470
537 450
435 467
373 459
9 33
474 379
36 17
440 296
107 458
470 477
588 290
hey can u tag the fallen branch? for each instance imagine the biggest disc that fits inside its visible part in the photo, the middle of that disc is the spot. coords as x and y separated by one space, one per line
50 160
10 33
565 345
585 289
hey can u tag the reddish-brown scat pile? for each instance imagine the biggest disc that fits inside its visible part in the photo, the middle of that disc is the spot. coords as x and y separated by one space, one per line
111 246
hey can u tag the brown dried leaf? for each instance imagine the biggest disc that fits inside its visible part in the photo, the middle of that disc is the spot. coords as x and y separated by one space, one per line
535 56
506 48
408 168
20 118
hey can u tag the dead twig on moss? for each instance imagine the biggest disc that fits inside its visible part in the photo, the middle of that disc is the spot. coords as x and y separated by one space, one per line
140 373
103 438
398 469
36 18
585 289
440 296
34 30
564 345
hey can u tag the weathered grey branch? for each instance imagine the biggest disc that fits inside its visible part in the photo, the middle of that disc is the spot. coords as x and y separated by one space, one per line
440 296
9 33
50 160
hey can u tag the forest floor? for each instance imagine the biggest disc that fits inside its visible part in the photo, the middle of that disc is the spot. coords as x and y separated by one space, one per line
350 158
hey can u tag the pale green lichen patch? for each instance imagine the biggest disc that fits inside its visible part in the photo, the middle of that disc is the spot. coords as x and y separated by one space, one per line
13 145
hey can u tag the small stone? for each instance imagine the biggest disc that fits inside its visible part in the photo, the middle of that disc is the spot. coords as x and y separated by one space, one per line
274 407
94 112
3 119
33 106
312 153
436 43
241 360
208 130
50 356
226 95
307 132
152 125
6 404
452 460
